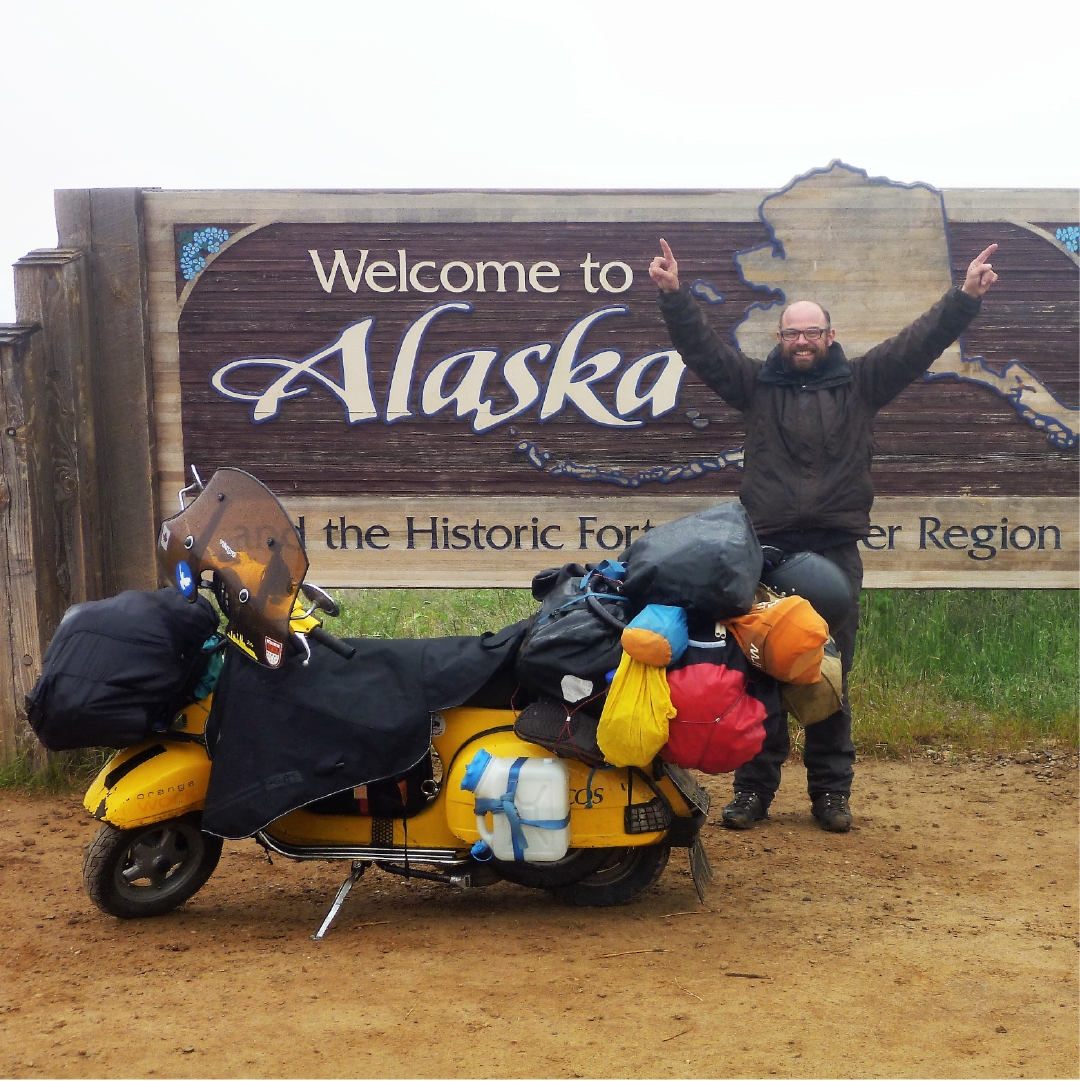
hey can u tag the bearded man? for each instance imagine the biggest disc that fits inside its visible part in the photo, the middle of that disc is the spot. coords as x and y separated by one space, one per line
809 415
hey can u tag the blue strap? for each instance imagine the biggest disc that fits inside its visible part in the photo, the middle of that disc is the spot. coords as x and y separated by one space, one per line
504 804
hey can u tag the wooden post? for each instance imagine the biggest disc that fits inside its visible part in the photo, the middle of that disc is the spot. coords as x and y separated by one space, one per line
51 292
50 543
20 654
107 225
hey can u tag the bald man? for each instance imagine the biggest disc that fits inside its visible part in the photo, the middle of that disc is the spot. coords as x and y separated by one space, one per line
809 415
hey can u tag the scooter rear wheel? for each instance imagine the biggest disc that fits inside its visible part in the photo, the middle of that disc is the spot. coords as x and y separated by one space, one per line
626 873
150 870
577 864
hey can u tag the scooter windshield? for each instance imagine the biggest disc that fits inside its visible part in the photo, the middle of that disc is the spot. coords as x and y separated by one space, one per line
238 530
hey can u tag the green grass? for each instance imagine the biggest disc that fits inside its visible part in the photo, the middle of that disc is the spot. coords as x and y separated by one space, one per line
955 671
63 772
966 669
427 613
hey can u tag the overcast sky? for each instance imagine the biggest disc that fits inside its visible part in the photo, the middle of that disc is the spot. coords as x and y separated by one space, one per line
524 94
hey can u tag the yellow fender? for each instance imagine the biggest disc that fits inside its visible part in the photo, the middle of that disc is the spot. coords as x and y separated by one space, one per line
153 781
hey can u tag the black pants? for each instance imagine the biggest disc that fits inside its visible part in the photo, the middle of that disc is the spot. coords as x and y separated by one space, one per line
829 754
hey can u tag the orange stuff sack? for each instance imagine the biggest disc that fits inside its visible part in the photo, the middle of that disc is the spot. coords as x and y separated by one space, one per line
784 637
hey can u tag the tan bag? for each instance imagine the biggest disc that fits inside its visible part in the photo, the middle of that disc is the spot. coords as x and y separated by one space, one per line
784 637
809 703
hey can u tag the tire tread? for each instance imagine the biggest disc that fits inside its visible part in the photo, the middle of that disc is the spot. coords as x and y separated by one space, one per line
108 848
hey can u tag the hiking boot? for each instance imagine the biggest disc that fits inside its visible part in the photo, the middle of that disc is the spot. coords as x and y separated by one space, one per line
832 812
744 810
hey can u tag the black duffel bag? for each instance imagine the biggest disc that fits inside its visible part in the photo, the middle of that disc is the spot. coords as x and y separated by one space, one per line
708 563
118 667
576 639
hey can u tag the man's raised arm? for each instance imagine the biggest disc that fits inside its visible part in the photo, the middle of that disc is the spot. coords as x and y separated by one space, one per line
889 367
719 364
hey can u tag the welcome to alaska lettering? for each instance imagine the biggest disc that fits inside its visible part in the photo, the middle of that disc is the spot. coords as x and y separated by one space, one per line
458 381
458 276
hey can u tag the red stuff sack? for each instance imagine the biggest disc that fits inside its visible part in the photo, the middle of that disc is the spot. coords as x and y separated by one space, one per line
721 704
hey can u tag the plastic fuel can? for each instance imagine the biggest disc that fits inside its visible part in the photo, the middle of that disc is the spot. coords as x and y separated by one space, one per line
528 803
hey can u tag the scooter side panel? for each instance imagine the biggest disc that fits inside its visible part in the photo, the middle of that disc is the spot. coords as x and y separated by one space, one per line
162 780
597 796
425 830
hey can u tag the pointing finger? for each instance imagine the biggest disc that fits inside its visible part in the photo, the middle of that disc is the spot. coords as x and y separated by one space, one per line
981 258
667 250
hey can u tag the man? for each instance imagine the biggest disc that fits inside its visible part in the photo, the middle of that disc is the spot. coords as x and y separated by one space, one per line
809 415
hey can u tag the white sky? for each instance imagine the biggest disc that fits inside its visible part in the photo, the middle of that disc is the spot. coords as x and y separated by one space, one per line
551 94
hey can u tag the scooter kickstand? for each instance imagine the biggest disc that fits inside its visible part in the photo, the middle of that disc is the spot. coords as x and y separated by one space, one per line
358 869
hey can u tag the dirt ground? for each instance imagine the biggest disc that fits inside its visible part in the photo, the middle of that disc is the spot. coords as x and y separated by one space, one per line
937 939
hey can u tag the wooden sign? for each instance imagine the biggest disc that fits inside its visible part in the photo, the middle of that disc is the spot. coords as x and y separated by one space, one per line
461 388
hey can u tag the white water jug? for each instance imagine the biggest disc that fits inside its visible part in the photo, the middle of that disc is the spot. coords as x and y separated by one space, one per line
528 801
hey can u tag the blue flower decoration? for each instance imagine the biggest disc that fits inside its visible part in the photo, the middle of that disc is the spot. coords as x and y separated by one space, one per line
209 240
1070 237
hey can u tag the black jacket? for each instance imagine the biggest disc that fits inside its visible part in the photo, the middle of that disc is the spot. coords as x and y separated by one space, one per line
810 435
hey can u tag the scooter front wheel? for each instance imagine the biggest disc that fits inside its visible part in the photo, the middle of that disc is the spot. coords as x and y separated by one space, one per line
626 872
150 870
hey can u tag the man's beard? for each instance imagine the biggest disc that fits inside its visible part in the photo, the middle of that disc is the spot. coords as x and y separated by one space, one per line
819 352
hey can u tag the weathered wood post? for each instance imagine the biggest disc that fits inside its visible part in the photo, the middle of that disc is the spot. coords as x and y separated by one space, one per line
51 292
51 544
20 657
107 226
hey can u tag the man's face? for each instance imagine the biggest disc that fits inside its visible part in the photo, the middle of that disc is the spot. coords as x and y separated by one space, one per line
803 354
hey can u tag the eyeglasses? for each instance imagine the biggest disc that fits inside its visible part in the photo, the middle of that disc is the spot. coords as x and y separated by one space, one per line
811 334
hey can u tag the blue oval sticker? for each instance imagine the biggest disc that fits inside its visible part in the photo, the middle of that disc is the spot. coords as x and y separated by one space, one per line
185 580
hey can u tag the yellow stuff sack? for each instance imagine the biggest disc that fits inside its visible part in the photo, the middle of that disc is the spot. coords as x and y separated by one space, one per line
634 724
784 637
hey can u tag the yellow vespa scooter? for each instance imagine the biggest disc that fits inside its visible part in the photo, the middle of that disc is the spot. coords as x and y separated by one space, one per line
151 854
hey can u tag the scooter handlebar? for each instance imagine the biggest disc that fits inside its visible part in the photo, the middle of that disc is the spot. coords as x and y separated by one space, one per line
324 638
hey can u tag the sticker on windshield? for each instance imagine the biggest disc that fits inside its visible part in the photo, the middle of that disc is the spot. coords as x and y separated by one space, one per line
273 651
185 580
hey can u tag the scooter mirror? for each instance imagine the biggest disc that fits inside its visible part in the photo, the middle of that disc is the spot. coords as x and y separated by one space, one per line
321 599
236 529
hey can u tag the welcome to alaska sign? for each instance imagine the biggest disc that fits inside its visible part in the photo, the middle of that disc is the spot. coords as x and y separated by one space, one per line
460 388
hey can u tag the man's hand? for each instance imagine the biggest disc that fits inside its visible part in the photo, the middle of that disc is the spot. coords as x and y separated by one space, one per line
665 271
980 275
